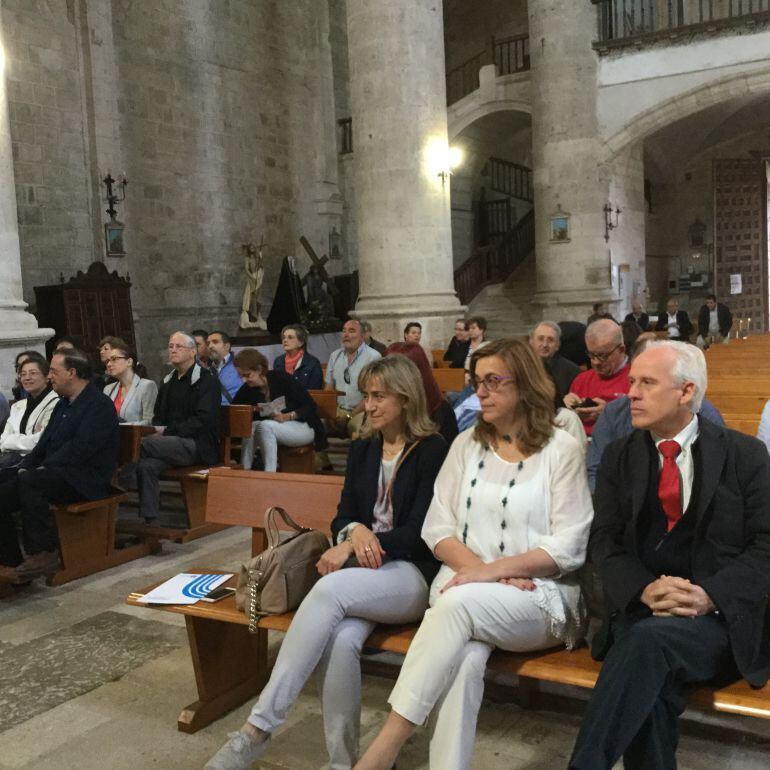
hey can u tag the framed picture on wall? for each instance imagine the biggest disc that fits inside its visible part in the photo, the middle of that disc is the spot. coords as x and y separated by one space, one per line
559 227
113 236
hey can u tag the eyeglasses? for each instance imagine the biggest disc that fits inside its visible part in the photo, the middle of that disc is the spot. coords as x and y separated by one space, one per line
602 356
491 382
346 375
117 358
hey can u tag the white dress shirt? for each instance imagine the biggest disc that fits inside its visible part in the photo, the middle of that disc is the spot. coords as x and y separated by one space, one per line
684 462
673 326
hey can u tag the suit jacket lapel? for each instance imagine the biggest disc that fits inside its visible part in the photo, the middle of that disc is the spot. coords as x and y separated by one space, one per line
372 473
131 393
639 467
713 451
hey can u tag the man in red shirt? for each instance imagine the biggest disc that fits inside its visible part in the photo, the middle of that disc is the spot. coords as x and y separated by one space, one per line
607 379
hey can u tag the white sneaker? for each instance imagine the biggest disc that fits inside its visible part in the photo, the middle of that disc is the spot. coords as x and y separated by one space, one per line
239 753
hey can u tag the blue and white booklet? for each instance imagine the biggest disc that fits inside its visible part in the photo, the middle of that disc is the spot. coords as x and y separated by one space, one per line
185 588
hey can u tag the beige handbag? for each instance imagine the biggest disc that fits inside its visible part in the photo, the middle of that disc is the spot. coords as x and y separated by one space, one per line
279 578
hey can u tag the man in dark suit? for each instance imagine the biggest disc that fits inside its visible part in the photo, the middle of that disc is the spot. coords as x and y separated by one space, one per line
638 316
675 321
714 322
545 340
74 460
681 541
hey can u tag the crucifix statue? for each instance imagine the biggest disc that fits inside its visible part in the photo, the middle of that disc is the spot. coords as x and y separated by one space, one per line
318 285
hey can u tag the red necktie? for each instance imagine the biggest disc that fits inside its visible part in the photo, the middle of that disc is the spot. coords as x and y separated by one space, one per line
668 483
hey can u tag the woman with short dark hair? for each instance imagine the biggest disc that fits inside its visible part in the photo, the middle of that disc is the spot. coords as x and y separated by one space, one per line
292 422
134 396
295 361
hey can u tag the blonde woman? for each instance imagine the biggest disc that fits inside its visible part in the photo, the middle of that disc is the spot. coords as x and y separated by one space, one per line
378 570
510 521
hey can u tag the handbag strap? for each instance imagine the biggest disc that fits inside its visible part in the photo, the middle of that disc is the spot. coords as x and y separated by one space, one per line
273 533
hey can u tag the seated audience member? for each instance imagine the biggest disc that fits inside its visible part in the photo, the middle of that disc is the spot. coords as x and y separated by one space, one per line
509 519
608 377
304 368
295 424
186 423
615 422
676 322
438 409
73 460
413 332
545 339
133 396
573 342
67 342
763 432
29 416
638 315
457 351
5 410
201 346
477 329
714 323
17 391
680 540
631 333
366 329
222 365
600 311
345 364
378 571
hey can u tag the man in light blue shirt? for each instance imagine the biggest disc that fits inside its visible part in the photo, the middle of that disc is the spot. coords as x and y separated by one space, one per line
221 362
345 364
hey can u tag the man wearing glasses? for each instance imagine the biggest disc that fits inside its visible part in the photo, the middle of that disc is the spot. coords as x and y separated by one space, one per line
606 380
186 423
345 365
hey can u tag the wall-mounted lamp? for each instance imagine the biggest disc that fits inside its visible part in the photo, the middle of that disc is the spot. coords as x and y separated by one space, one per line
116 192
441 160
611 219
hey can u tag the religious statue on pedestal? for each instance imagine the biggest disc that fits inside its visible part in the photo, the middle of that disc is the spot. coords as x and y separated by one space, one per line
251 308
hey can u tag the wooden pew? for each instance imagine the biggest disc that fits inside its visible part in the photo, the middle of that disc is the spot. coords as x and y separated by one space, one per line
236 423
438 359
231 666
450 379
326 401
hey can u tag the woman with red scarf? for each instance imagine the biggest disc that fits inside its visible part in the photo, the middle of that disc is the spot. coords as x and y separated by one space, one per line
302 367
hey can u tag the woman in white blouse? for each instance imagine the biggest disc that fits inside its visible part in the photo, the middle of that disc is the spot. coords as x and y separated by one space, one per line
29 416
510 519
134 396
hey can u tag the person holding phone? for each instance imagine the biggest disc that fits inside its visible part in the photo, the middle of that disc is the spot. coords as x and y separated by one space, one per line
606 380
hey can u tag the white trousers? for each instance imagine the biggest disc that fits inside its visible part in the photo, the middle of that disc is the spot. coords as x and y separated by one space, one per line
268 435
330 628
448 656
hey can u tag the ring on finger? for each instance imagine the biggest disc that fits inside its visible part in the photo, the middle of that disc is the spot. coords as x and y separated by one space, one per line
368 548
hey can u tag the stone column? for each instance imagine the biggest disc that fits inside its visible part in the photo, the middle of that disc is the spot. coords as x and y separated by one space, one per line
568 174
18 329
398 97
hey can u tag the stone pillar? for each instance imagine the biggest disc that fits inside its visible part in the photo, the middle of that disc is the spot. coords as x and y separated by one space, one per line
398 98
18 329
568 174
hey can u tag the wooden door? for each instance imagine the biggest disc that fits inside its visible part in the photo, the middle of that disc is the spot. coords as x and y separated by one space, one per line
740 237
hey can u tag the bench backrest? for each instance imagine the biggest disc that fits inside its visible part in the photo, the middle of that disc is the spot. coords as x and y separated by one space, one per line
326 402
450 379
242 497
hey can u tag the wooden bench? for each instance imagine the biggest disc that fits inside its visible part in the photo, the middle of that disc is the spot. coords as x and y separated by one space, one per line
450 379
231 666
236 423
438 359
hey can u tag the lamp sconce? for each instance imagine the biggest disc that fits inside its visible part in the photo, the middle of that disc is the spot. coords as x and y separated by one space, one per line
451 158
116 192
611 219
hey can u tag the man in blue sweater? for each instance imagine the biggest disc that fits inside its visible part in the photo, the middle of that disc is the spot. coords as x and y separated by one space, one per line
221 363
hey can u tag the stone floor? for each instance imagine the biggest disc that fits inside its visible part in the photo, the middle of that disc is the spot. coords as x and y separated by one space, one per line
88 683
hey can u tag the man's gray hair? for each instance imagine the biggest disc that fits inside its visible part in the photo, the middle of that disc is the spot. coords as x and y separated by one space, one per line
605 328
690 366
551 325
365 326
189 339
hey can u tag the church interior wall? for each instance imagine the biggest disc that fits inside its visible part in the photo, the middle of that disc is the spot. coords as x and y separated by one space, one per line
43 72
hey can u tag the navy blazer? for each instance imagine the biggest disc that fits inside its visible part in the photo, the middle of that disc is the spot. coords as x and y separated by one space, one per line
412 494
308 374
80 443
731 550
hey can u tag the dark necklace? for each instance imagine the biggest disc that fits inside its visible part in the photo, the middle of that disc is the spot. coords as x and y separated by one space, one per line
504 501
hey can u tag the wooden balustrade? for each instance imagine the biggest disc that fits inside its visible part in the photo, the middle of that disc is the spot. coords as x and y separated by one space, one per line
623 22
511 54
494 263
510 179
